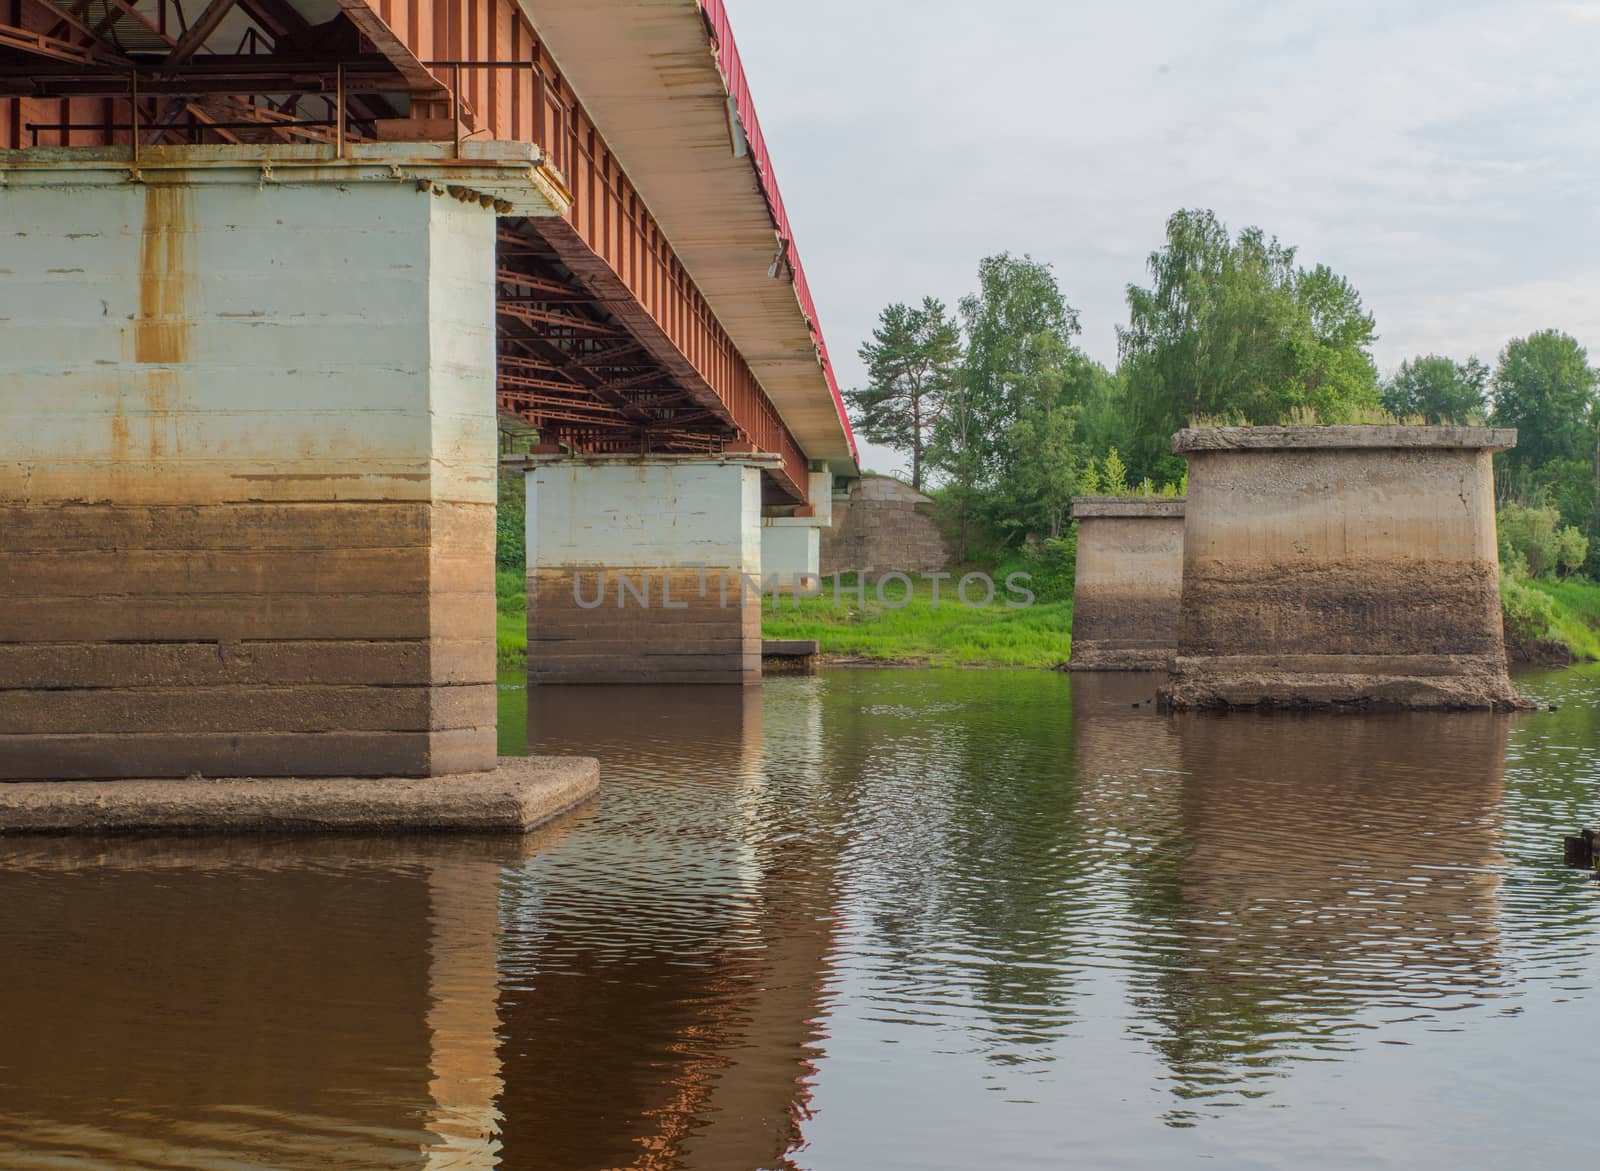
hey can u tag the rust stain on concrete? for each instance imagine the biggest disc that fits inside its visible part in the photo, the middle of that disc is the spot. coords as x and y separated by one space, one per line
161 331
161 398
119 436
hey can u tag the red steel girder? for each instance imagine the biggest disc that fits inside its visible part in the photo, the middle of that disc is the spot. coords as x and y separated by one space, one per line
51 48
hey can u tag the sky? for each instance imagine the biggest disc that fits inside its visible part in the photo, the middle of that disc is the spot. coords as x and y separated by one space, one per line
1443 156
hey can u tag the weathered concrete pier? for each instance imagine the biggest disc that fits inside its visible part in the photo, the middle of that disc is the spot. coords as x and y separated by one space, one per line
1129 576
1340 566
236 544
644 569
263 313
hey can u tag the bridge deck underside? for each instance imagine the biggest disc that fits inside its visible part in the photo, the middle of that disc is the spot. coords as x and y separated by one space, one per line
583 363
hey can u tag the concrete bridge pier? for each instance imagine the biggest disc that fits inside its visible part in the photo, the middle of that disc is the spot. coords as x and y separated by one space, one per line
1129 576
247 476
1340 567
791 539
645 569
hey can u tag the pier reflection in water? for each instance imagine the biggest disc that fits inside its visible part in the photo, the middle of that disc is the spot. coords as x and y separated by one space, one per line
246 1002
1287 896
669 966
866 920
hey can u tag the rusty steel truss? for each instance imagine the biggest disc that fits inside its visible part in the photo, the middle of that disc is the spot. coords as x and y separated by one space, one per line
567 362
605 342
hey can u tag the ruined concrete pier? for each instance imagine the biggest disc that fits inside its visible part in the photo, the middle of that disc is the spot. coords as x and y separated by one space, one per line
1129 574
1340 566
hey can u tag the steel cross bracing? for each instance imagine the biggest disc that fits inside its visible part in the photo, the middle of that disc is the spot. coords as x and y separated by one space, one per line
91 72
569 368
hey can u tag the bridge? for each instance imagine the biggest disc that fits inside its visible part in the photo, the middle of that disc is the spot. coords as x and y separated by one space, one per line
276 274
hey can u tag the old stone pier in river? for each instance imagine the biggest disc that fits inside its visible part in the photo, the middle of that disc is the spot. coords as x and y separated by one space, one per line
1129 578
1335 566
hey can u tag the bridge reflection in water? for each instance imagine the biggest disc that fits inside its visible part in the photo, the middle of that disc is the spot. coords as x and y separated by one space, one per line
862 920
667 972
422 1002
204 1003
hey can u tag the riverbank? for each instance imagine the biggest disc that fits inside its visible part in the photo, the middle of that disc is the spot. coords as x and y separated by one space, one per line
1551 622
511 619
918 633
922 632
1547 622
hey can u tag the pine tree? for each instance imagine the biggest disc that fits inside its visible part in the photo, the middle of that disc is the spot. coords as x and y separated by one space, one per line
1114 476
911 363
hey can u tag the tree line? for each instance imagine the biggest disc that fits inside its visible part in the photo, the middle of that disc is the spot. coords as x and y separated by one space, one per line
1003 418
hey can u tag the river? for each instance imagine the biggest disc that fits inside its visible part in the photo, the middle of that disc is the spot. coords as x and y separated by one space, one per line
868 920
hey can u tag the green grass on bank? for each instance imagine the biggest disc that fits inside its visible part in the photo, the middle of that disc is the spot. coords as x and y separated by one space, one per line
946 634
1566 613
949 634
511 618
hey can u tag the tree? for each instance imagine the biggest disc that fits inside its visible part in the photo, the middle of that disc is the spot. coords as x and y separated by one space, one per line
1332 373
1114 476
1545 388
1019 327
957 450
1529 537
1438 390
1045 469
911 362
1231 328
510 515
1572 550
1007 440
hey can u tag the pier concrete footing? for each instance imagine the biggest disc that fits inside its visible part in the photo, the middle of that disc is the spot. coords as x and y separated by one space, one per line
1129 576
1340 567
521 792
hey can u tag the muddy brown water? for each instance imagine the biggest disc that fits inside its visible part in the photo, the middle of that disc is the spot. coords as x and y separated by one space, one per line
872 919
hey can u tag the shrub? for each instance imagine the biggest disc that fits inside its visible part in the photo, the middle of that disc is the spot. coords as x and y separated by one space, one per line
1572 549
1053 564
1529 615
1530 532
510 590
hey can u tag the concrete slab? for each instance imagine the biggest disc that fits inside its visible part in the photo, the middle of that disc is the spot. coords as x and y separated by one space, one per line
1347 438
521 793
787 648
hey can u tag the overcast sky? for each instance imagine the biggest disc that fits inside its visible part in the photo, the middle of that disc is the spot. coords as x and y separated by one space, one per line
1444 156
